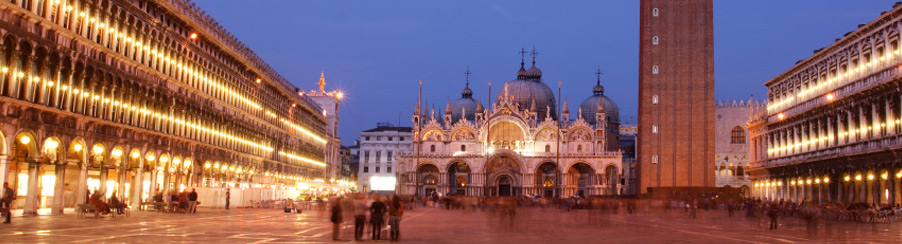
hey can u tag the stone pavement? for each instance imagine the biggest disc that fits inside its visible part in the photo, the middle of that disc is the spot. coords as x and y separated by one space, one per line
432 225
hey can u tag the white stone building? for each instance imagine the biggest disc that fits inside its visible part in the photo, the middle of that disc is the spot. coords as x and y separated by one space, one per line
731 144
378 149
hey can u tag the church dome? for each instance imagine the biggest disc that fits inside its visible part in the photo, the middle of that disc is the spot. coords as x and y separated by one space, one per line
530 87
590 106
463 105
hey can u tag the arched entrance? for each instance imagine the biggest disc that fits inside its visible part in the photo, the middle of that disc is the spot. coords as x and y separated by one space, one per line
428 175
504 186
579 180
548 179
504 172
459 178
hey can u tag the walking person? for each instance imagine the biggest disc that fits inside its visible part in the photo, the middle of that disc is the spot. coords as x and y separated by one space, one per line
227 195
773 214
693 208
731 208
359 216
192 201
336 218
6 201
395 211
377 217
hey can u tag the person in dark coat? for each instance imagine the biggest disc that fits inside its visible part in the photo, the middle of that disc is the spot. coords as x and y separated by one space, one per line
227 195
377 217
192 201
336 218
6 201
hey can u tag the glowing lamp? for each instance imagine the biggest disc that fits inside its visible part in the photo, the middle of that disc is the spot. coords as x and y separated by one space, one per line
25 140
97 149
77 147
193 36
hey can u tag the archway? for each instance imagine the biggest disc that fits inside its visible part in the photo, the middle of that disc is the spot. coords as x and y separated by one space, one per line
23 167
504 186
503 166
507 135
458 178
579 178
428 175
548 179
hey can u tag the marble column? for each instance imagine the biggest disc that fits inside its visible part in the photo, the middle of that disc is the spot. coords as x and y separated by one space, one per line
31 198
59 193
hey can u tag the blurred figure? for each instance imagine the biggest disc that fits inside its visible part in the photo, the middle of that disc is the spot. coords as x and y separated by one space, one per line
394 219
336 218
8 196
359 216
192 201
693 208
227 196
377 217
773 214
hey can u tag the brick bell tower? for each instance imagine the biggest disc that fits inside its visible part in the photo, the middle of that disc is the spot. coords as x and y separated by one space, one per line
676 94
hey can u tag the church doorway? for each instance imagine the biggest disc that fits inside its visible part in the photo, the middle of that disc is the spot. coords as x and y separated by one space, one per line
549 178
504 186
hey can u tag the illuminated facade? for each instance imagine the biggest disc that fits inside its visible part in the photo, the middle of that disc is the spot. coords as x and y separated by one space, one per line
329 101
376 152
830 131
731 153
135 97
516 146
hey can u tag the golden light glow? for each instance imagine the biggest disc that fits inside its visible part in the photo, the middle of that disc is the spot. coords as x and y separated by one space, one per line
164 159
97 149
857 177
193 35
826 180
830 97
51 144
117 152
302 159
870 176
136 154
207 165
77 147
884 176
150 157
339 95
780 115
25 140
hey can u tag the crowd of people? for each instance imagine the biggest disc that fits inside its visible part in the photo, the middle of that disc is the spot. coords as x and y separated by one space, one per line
103 204
376 208
179 202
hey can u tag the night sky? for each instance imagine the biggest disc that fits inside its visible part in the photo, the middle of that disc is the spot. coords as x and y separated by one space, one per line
375 51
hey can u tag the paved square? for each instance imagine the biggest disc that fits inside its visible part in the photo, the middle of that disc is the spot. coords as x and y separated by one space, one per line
435 225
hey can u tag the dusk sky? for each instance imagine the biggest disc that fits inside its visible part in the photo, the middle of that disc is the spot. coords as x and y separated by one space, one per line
375 51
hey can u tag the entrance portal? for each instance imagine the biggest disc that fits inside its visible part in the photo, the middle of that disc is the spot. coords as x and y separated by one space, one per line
504 186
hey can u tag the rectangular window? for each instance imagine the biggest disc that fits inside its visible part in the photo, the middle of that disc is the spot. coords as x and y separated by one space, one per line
378 138
401 138
366 156
388 170
377 169
390 138
388 156
367 138
366 169
378 156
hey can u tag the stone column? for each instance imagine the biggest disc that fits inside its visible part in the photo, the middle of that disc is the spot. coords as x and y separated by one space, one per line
4 169
138 192
59 193
31 199
81 192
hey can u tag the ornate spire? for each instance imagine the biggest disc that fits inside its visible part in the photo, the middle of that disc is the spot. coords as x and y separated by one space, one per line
468 76
322 81
448 107
566 109
522 58
479 108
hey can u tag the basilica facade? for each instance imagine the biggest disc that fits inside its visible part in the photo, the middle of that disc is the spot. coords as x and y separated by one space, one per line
518 145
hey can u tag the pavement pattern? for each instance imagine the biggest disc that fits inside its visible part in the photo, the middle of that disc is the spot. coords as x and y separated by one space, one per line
437 225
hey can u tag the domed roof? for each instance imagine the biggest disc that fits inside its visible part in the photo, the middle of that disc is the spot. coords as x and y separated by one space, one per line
461 105
590 106
529 87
